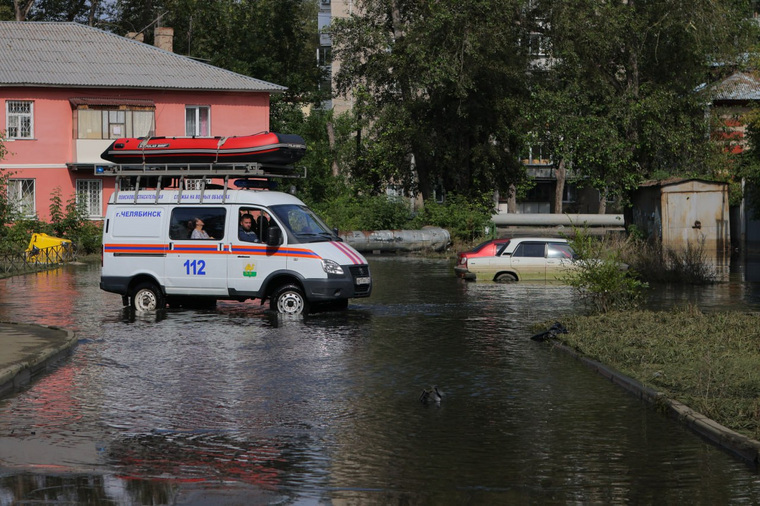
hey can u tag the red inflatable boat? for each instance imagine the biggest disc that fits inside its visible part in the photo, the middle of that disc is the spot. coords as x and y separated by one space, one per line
266 148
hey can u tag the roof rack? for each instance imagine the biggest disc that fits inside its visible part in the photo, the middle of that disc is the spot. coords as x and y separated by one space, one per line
258 170
184 171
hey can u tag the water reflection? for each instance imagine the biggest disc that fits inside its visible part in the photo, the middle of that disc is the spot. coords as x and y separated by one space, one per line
239 405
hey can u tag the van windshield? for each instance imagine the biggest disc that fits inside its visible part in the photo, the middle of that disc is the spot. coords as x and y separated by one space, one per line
303 223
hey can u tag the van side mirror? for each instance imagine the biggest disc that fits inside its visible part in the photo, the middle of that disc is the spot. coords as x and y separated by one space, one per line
274 236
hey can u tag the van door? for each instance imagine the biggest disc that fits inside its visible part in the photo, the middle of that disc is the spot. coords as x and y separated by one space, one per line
250 260
195 263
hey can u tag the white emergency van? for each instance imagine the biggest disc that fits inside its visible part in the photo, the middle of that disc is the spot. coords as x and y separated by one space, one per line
181 246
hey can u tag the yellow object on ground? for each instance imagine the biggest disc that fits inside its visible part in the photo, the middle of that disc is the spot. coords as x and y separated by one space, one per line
47 249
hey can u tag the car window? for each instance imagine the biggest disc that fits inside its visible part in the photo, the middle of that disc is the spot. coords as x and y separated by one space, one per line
501 247
530 249
559 250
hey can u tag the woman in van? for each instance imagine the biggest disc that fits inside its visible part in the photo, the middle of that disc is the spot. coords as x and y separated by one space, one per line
198 232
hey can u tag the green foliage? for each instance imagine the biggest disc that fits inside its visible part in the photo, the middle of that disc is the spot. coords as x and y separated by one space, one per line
688 265
437 84
466 219
620 106
365 212
70 222
603 281
67 222
272 40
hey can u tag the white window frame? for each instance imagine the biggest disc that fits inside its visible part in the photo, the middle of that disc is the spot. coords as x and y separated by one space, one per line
90 197
22 196
15 126
194 129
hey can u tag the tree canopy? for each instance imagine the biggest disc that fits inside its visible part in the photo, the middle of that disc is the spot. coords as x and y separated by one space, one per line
439 85
455 86
448 95
621 101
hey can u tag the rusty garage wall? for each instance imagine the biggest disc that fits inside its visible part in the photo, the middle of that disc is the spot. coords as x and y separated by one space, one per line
679 212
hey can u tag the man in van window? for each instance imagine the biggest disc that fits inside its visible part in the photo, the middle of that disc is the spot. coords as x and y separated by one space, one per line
245 230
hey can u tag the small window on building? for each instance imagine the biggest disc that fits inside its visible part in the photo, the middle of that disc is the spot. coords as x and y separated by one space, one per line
197 120
19 119
21 197
89 200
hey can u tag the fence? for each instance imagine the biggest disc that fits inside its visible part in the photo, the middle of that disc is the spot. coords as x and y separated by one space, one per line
36 259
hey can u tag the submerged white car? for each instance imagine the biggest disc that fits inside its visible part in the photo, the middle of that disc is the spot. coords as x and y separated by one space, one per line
521 259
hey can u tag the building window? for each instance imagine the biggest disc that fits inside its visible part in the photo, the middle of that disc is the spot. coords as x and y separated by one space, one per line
197 120
21 197
99 123
19 121
570 193
89 193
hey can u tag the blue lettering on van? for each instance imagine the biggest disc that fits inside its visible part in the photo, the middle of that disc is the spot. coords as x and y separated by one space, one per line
138 214
195 268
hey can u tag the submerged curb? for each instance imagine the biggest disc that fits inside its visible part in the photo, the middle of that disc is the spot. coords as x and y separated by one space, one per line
20 374
742 446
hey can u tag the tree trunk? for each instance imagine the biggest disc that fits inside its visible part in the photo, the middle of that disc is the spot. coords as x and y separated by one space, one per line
512 199
22 8
603 201
91 16
331 143
559 190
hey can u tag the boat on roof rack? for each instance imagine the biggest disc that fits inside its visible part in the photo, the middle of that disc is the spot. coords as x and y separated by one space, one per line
266 148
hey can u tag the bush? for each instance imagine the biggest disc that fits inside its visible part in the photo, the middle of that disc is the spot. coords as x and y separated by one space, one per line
465 218
602 279
67 222
662 265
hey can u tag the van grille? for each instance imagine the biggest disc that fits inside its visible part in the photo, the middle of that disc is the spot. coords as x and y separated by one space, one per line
360 271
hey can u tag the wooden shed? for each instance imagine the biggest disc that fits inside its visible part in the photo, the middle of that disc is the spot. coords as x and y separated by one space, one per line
678 212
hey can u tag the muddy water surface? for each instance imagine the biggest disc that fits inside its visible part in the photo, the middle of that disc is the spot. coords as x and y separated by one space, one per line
237 406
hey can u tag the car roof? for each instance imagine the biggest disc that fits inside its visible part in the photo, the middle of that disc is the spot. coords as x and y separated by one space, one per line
552 239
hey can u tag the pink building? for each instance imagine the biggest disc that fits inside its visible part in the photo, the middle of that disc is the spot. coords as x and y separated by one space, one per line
68 90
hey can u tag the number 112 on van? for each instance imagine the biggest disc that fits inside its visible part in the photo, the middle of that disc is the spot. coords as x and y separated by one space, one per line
195 268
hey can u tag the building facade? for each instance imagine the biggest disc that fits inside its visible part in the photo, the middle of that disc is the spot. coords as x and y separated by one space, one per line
68 90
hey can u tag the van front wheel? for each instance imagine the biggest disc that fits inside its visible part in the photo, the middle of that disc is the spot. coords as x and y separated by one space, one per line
289 300
147 297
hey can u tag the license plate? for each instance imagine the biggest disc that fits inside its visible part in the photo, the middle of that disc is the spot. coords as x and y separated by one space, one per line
363 281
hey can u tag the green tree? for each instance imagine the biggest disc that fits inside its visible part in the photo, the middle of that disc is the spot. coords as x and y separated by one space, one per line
439 85
272 40
620 99
82 11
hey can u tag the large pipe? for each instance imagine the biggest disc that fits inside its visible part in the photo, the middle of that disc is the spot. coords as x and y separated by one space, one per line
428 238
554 220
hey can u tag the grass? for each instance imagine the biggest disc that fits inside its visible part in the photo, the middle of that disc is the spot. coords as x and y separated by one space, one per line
708 362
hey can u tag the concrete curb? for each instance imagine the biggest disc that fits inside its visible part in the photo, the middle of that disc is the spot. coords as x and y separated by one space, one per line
737 444
17 376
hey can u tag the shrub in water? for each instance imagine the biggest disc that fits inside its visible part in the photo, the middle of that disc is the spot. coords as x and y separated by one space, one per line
602 279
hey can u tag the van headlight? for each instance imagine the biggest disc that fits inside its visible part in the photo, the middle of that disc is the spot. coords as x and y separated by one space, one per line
331 267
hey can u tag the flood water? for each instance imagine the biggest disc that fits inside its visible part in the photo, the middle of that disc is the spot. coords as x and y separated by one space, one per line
237 406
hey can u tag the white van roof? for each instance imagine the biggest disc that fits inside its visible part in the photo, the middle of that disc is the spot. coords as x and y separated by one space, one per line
203 197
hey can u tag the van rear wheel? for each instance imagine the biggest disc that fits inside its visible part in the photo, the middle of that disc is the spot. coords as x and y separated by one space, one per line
147 297
289 300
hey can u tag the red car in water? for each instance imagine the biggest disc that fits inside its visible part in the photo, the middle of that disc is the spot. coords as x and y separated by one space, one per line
485 249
